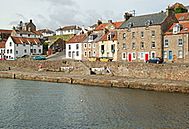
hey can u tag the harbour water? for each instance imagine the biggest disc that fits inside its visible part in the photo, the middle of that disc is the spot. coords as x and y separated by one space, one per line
43 105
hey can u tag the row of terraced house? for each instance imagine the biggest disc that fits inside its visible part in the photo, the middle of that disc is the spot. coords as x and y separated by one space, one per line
137 39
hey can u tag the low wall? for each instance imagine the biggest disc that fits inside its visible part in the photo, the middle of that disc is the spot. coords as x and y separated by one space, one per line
144 84
143 70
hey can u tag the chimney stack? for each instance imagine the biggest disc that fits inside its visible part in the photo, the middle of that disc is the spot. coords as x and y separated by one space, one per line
30 20
109 21
99 22
169 11
127 16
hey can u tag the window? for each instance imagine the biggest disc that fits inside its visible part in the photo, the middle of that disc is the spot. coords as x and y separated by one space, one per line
16 52
165 54
69 47
142 55
124 46
94 45
113 48
17 45
142 34
102 49
7 51
77 53
31 50
153 33
34 50
153 45
180 42
85 54
85 45
94 53
10 51
133 45
134 55
77 46
180 54
133 35
142 45
124 57
69 54
10 44
176 28
39 50
89 45
24 44
89 54
124 35
153 55
166 43
25 51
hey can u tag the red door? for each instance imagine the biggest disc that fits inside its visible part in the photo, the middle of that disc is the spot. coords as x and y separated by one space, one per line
146 57
130 57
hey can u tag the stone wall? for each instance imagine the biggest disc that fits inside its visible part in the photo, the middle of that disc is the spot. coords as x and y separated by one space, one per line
143 70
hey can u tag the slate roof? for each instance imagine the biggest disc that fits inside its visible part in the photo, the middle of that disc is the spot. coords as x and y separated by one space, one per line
77 39
99 36
46 31
21 40
140 21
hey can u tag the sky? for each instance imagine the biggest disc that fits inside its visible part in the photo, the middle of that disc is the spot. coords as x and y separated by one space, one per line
55 13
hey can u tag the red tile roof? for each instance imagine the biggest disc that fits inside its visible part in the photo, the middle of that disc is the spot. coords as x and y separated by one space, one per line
6 31
103 25
2 44
37 32
105 37
182 16
77 38
21 40
185 28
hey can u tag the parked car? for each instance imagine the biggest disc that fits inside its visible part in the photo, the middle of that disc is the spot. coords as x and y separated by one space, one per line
157 60
39 58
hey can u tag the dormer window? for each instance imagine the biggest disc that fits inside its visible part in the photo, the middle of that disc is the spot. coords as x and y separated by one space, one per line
111 36
176 28
148 23
130 25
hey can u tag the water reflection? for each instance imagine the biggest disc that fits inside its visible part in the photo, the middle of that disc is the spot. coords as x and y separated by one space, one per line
28 104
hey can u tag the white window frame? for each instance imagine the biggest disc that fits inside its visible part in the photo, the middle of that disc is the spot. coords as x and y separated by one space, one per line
134 58
166 43
180 45
123 56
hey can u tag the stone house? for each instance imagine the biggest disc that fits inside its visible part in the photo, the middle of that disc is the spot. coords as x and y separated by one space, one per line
176 43
108 45
57 45
29 26
140 38
74 47
90 46
16 47
2 49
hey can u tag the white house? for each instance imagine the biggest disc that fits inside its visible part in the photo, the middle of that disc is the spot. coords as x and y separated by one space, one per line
68 30
47 32
16 47
74 47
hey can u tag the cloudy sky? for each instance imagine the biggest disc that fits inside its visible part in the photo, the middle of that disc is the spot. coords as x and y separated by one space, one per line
55 13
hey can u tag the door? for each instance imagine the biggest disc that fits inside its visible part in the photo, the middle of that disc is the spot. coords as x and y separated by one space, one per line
146 57
73 55
130 57
170 55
